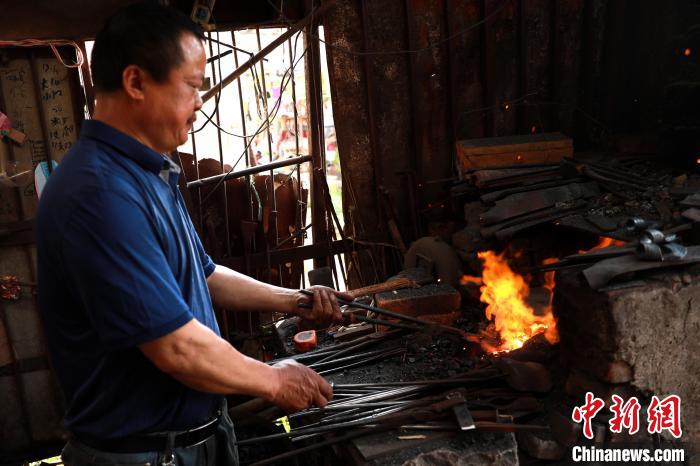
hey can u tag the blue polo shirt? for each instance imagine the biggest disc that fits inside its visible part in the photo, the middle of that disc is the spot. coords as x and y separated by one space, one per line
120 264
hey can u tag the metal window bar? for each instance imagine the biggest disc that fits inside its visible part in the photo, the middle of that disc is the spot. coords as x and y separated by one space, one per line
221 149
273 213
320 11
300 202
248 180
199 183
214 63
245 131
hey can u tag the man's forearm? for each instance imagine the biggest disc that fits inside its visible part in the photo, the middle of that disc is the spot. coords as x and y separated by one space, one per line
235 291
198 358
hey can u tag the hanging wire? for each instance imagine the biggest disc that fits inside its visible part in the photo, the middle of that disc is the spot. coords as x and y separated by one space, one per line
263 126
50 43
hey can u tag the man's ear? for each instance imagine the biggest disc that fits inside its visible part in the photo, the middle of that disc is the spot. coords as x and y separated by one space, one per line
133 80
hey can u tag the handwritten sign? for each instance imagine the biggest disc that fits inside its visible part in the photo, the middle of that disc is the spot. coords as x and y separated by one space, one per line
32 94
20 105
56 102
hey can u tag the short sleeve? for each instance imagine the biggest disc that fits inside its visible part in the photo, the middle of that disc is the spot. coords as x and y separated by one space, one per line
207 264
115 265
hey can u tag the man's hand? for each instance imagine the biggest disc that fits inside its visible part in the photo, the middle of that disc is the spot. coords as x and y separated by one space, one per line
325 308
298 387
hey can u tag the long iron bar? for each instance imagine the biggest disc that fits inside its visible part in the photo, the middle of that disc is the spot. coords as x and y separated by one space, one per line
303 431
489 374
331 441
435 410
353 357
249 171
343 348
348 350
388 354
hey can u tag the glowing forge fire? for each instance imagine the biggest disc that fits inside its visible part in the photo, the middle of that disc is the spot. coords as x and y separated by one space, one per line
603 242
505 293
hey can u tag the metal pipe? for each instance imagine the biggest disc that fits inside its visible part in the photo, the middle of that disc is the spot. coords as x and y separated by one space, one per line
248 171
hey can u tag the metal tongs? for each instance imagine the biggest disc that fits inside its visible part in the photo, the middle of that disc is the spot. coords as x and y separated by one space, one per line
409 322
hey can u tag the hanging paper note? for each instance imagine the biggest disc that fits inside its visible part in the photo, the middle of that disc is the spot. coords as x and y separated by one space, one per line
41 175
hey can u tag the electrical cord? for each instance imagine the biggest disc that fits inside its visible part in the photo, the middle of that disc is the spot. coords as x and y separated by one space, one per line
209 118
265 124
51 43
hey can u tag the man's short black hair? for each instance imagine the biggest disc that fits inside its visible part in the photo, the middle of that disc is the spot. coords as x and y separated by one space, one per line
145 34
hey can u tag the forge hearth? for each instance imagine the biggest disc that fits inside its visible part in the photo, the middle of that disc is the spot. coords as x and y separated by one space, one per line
640 336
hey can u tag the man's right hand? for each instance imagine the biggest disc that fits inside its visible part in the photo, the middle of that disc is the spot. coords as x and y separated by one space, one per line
297 387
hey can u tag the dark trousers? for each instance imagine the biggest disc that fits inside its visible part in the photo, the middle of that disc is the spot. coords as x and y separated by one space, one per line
218 450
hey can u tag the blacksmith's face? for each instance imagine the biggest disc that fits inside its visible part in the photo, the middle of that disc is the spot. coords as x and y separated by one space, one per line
172 105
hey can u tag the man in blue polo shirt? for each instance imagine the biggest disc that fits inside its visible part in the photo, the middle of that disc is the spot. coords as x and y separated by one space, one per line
125 287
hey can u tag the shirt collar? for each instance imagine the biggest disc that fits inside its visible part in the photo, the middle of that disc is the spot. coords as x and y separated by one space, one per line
125 145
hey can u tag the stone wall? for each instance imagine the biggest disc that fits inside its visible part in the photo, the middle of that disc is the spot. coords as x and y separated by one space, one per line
645 336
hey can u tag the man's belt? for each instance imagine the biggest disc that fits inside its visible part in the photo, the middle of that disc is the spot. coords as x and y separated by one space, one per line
151 442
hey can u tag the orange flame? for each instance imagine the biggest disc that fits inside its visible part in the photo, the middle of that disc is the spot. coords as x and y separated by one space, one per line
603 242
505 294
467 279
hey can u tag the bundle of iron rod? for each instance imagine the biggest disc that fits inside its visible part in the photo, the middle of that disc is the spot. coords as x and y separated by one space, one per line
350 353
360 409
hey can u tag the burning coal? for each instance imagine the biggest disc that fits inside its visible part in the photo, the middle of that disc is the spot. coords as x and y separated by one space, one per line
512 318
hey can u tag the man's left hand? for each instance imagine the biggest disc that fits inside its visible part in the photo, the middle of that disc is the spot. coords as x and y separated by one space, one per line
325 308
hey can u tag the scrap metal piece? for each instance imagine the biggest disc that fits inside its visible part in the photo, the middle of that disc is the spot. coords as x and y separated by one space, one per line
652 235
525 203
636 224
462 414
675 251
648 251
604 271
